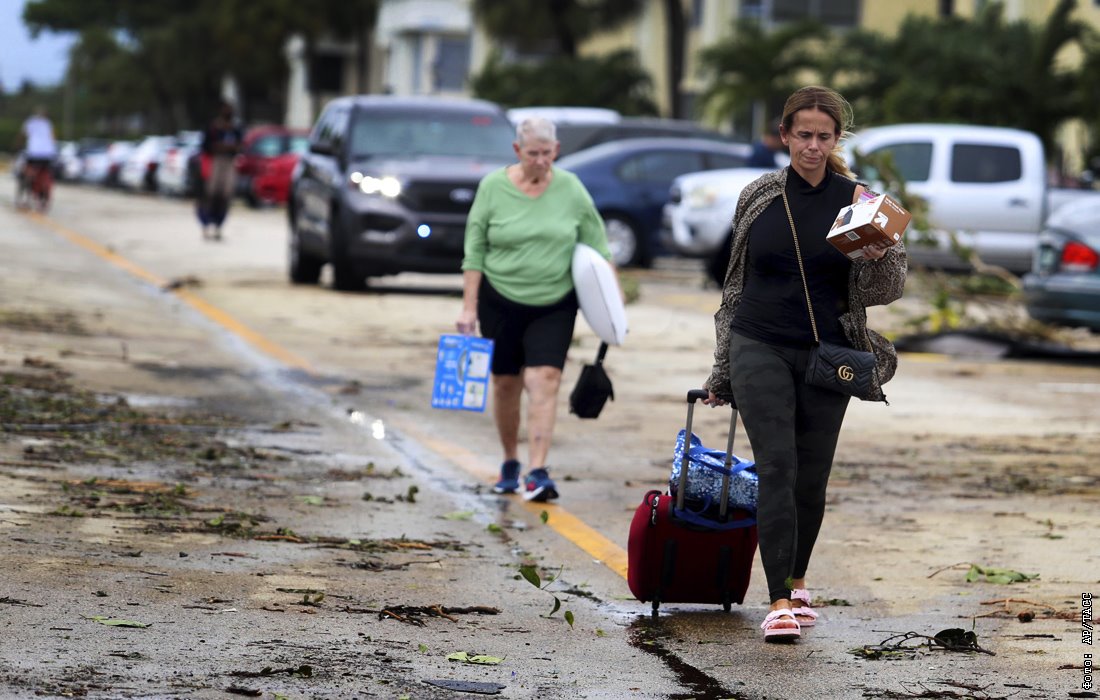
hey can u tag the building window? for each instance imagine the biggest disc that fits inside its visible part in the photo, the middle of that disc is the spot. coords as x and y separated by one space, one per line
835 13
698 8
752 9
452 63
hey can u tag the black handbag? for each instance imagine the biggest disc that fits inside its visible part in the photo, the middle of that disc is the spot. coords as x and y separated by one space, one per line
593 388
841 368
832 366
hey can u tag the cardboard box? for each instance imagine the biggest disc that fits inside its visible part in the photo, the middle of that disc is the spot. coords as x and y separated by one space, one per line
868 221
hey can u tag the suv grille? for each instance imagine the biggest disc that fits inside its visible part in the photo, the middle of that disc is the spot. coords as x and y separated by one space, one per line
439 197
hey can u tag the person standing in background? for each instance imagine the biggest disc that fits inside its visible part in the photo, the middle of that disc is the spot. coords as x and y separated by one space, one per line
220 144
766 148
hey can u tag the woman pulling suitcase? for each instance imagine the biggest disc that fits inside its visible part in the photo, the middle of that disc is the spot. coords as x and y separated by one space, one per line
764 336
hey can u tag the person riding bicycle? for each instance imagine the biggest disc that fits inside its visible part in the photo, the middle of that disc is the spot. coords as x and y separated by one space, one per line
39 151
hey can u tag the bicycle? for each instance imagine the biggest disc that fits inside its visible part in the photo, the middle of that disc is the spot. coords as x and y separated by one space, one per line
35 185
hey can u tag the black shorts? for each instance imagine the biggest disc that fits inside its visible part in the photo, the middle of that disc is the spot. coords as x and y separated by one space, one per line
525 336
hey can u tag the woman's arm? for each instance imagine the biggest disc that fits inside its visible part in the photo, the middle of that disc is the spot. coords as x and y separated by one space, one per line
882 281
467 318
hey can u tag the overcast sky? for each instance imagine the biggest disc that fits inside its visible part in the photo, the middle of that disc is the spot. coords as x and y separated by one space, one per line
42 61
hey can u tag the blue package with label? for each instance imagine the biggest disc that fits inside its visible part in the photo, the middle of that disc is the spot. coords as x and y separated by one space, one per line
462 369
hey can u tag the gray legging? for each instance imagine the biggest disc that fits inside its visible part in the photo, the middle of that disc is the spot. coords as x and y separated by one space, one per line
793 430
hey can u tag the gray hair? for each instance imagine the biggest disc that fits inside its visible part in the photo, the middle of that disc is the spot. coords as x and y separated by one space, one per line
536 129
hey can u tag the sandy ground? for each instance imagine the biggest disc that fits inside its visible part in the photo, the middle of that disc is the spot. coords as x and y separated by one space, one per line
316 531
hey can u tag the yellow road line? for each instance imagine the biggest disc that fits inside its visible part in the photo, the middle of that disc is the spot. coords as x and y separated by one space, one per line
211 312
561 521
579 533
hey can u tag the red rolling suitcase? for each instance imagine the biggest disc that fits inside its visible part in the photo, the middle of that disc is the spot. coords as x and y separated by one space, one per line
675 555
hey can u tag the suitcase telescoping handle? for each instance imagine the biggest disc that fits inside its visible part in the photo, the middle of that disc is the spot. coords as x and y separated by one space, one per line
681 488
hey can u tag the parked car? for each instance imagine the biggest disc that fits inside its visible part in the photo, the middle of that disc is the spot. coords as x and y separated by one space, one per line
566 115
985 184
577 136
387 183
583 127
629 181
1064 285
174 176
139 170
101 167
268 156
67 165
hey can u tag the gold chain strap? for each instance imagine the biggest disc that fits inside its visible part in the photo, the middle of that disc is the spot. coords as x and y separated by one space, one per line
801 269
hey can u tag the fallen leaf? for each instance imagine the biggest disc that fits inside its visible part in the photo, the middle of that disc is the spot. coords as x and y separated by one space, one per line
113 622
474 659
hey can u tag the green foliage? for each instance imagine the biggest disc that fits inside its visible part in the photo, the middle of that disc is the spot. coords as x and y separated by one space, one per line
535 25
1009 73
990 574
615 81
165 60
759 65
531 575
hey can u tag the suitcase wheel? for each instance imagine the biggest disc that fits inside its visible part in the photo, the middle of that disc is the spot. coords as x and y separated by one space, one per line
656 606
726 606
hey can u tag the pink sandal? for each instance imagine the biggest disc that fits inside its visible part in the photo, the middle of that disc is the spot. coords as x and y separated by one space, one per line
774 633
805 615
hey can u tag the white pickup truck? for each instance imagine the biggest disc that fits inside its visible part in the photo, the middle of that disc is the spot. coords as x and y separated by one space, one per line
986 184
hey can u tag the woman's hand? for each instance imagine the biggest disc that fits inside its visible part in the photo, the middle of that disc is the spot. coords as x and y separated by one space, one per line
712 400
467 322
875 250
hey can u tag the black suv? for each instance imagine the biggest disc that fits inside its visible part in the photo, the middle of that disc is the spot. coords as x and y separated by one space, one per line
387 183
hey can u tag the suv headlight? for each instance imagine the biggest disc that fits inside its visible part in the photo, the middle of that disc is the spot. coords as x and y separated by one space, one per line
387 186
701 197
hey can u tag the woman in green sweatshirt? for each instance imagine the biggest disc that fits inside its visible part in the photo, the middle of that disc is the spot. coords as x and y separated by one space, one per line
517 283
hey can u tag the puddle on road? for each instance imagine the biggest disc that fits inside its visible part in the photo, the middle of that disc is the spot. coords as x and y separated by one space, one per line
645 634
151 400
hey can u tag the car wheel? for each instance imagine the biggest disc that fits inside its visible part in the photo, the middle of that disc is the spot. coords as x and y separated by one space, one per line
345 278
304 268
622 239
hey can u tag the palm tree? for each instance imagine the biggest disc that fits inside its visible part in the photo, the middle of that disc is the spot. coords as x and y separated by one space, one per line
554 25
758 69
981 71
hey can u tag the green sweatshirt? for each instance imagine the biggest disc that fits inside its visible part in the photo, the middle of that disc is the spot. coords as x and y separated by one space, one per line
524 245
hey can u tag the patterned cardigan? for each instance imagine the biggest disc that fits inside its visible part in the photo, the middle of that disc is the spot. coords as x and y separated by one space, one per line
870 283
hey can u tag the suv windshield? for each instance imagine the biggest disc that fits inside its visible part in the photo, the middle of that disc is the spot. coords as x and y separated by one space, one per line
413 133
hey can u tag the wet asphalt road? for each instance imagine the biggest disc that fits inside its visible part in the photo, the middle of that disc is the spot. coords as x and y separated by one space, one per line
359 366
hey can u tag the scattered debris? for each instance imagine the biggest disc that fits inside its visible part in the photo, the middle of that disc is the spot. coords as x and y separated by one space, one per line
302 671
114 622
531 575
988 574
53 322
910 644
15 601
467 658
972 692
1032 610
414 614
182 282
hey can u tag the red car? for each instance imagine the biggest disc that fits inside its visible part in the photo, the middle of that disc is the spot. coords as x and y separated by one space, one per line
268 155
